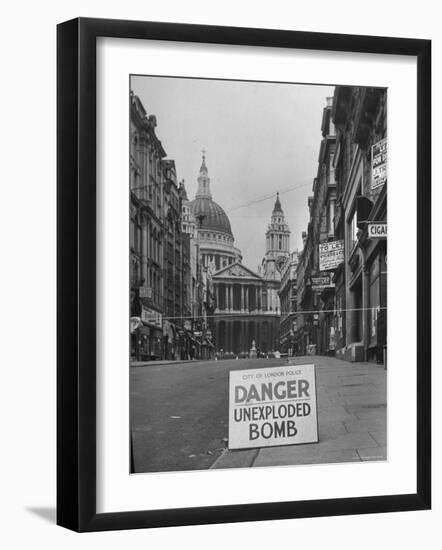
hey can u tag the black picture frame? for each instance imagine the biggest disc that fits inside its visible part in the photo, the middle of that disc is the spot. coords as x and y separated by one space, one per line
76 273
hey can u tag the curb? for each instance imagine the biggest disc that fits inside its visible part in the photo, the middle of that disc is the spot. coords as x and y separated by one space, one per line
235 459
164 363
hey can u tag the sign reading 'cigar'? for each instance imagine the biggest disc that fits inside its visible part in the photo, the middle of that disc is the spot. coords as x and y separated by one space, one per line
272 406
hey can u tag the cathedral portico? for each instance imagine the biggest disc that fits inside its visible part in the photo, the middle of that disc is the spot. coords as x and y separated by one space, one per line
241 314
234 297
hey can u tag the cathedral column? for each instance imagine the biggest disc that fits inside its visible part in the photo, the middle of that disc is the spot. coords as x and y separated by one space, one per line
242 299
227 297
231 297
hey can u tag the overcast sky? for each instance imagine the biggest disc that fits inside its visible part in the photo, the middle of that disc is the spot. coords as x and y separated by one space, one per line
259 138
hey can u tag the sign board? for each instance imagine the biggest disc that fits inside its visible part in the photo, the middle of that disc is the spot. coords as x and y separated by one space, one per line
151 316
377 230
272 406
145 292
379 164
322 281
331 254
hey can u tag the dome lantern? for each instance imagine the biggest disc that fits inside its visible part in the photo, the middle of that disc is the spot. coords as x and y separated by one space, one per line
203 180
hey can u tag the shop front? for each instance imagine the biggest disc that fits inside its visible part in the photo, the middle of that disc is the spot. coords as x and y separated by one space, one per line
149 335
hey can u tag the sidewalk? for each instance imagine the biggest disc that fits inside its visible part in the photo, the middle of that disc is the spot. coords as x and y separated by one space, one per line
352 417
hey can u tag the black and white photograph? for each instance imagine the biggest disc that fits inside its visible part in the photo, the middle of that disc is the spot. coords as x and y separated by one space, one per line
258 274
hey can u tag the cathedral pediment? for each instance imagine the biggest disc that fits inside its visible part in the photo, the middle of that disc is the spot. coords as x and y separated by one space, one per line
236 271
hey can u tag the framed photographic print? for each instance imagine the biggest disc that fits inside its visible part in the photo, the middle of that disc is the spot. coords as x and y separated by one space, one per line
234 341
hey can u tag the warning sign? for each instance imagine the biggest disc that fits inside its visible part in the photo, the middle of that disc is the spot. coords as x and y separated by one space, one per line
273 406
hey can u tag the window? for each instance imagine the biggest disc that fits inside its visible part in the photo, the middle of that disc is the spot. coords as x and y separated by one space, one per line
132 233
353 231
331 215
138 239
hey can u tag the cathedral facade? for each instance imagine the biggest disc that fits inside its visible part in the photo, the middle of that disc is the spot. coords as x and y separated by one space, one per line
247 309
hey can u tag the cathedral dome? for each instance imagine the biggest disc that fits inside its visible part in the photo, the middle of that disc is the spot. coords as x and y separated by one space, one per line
214 216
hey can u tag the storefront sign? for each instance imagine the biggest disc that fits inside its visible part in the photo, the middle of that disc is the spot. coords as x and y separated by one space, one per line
272 406
331 254
377 230
379 164
322 281
151 316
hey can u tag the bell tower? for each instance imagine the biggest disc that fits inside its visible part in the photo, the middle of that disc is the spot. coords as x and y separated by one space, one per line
276 256
278 234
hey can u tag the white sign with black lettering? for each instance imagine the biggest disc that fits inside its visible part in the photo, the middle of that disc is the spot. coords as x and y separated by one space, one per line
331 255
272 406
377 230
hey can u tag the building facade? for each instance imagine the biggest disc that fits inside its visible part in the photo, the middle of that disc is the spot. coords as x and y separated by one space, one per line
342 305
146 235
315 319
287 298
168 289
360 117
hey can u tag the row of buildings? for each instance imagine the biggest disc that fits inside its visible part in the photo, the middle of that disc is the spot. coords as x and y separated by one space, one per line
170 291
191 294
341 275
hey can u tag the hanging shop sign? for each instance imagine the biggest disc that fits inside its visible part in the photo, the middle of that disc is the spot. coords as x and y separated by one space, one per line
151 316
379 164
272 406
331 254
322 281
377 230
